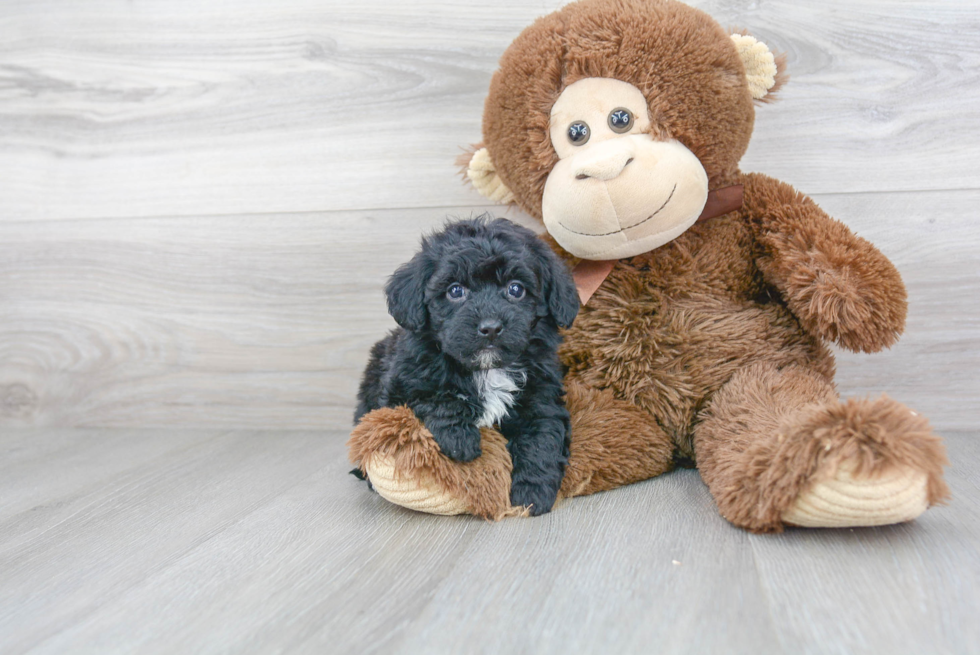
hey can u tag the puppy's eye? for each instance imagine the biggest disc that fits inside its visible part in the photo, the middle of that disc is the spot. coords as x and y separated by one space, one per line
515 290
456 291
578 133
620 120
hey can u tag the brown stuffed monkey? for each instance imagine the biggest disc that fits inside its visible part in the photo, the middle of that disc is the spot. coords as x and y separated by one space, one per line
711 293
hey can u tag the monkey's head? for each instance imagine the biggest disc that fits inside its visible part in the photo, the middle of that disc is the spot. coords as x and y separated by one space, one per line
611 120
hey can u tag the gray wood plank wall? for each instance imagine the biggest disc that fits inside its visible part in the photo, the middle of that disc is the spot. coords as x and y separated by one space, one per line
200 201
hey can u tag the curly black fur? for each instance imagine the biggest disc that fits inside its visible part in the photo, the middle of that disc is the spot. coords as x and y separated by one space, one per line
487 356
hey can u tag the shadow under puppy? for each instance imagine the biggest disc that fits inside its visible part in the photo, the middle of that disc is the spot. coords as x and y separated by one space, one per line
479 308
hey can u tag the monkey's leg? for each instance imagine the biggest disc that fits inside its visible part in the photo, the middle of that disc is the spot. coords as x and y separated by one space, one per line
777 447
614 443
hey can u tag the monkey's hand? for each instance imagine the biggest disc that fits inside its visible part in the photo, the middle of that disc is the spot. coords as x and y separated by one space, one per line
839 286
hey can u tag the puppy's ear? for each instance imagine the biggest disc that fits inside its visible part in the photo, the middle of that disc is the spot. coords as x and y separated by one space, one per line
405 292
557 285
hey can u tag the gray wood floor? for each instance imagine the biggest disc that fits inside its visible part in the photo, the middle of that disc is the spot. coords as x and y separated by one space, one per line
199 203
184 541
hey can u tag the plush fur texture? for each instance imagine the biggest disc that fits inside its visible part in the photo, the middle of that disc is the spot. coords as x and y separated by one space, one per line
682 61
712 348
691 334
479 309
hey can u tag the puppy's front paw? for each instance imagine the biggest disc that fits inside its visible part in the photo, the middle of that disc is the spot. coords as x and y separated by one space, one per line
461 443
538 498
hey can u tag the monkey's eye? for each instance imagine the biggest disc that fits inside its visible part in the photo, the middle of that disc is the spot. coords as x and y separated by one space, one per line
456 291
515 290
620 120
578 133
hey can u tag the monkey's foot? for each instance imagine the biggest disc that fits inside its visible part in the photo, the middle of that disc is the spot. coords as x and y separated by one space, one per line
398 455
881 465
849 500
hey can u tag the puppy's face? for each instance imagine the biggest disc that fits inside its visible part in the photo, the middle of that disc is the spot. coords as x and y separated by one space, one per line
481 306
479 288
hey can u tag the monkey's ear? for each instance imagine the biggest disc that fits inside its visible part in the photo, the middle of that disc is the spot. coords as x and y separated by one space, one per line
764 70
482 174
405 292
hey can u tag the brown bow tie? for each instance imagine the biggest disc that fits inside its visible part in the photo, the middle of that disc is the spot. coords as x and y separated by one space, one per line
590 274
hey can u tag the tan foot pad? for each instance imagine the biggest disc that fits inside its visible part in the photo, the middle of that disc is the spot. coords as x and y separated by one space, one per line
846 501
410 493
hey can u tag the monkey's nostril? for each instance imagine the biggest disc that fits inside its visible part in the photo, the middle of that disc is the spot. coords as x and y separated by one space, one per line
581 176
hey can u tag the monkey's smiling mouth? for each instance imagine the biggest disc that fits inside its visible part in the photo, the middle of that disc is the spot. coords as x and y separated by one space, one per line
628 227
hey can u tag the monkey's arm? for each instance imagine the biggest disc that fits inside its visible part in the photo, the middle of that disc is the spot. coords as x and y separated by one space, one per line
839 286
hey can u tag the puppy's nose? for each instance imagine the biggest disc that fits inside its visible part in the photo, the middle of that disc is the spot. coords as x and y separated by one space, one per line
490 328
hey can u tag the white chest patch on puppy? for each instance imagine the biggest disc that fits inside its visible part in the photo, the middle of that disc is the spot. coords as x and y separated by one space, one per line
498 390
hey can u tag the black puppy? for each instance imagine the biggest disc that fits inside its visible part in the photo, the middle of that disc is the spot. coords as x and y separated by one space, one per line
479 308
